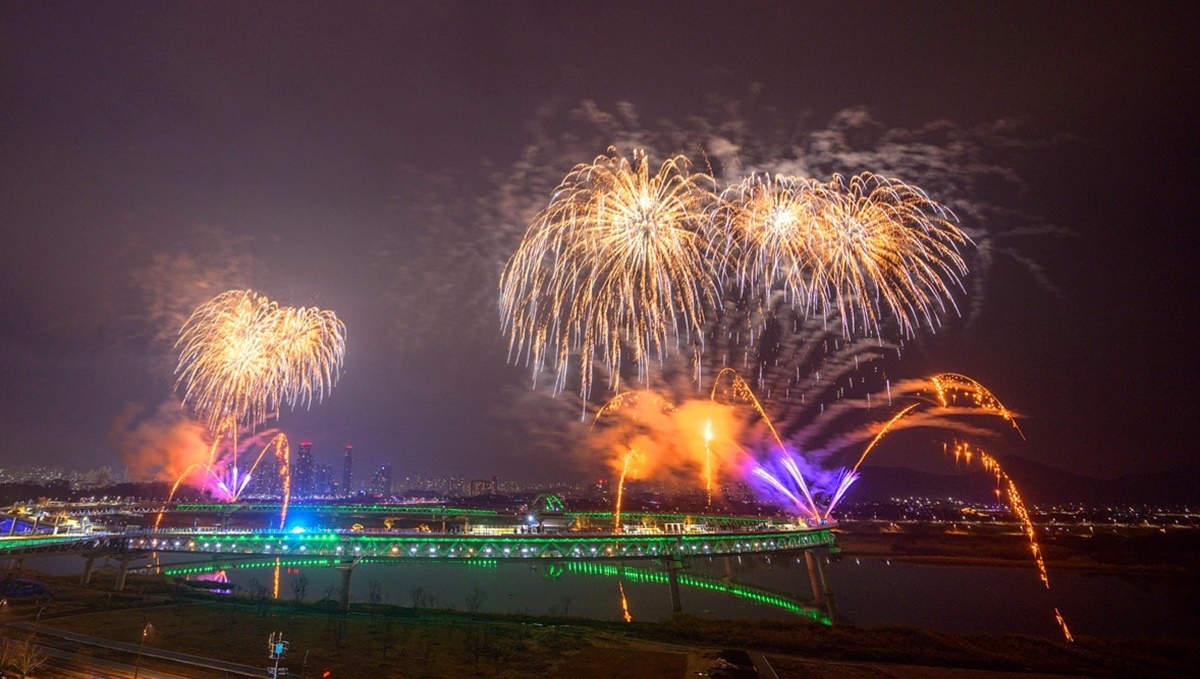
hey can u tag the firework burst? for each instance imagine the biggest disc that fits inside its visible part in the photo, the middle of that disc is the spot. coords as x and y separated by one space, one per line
243 356
614 263
859 250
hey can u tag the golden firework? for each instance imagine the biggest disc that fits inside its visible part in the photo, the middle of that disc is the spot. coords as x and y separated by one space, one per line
615 263
859 250
242 356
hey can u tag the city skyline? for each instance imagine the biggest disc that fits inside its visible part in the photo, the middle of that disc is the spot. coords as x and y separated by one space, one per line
378 159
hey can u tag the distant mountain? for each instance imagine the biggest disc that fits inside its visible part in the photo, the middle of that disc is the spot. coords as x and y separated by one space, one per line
880 484
1037 482
1041 483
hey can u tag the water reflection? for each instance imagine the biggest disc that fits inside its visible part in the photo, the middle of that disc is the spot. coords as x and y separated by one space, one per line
869 592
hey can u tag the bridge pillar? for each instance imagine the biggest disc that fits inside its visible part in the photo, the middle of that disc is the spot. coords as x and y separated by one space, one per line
123 569
818 579
674 565
87 570
347 569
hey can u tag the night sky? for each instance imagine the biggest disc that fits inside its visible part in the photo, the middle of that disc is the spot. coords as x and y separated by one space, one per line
382 160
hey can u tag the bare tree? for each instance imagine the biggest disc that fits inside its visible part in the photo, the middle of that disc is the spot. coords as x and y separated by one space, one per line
387 636
300 587
261 597
374 598
475 642
502 647
405 634
26 656
6 647
339 631
475 599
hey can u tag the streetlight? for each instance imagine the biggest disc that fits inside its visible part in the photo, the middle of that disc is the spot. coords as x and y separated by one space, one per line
137 667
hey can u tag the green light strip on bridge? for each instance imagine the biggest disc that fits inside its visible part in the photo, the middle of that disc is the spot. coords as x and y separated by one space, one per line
634 517
634 574
180 571
7 543
432 510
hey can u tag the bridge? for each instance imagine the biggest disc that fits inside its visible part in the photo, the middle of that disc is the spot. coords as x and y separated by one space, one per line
419 545
684 537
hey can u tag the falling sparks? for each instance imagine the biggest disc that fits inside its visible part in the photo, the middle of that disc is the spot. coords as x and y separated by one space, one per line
1008 489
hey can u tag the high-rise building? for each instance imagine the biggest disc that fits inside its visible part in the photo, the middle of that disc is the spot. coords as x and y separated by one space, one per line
304 475
266 481
347 488
381 480
324 480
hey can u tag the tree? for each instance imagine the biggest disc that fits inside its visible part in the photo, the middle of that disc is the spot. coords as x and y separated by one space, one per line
261 597
475 599
374 592
300 587
25 656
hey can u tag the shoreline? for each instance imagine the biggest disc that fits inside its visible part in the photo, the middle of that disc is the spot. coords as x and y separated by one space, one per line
1144 555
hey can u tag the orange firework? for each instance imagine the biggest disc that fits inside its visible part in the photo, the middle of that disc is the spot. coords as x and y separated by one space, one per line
1008 489
629 457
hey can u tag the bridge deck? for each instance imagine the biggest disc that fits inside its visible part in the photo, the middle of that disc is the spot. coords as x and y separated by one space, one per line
424 546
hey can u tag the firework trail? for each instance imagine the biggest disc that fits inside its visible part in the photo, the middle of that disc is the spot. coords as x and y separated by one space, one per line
949 386
629 458
1006 486
222 476
615 261
624 603
807 474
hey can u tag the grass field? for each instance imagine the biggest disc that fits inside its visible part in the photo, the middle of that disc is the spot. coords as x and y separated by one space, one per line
386 642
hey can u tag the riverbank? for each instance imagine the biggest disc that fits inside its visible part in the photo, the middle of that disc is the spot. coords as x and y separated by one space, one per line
1107 551
380 641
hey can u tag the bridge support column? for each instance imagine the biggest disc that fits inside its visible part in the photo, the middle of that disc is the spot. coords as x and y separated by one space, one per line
673 568
123 569
818 579
87 570
347 569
